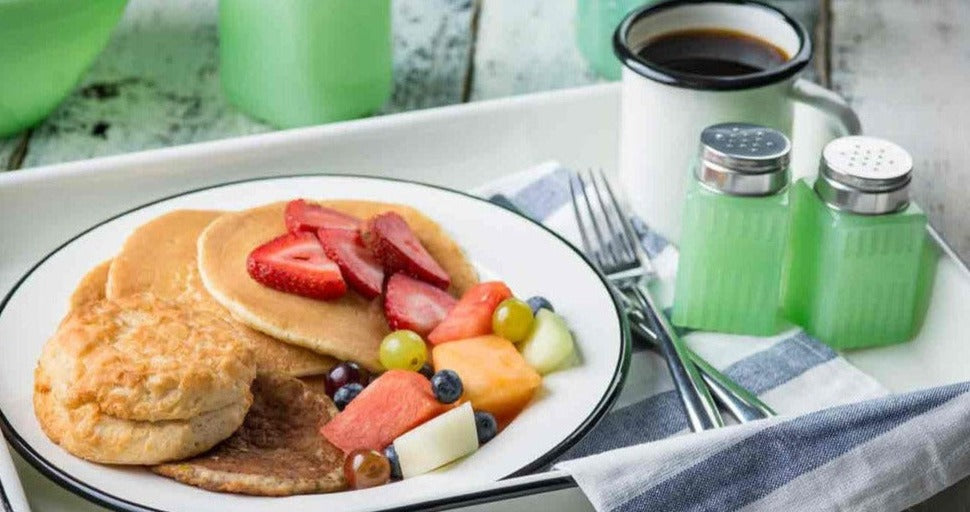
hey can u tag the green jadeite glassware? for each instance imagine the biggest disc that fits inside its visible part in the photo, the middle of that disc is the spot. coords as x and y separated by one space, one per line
596 20
45 47
735 232
856 280
302 62
730 269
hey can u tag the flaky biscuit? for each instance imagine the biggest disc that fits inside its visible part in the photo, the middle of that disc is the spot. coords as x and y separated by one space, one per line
144 359
91 286
88 433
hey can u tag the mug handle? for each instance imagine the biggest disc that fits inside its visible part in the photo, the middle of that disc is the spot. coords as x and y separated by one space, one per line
820 116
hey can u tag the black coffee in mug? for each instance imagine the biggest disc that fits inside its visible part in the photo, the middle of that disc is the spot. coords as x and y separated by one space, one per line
712 52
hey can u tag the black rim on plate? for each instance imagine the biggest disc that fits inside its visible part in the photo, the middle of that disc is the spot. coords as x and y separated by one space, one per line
108 500
628 56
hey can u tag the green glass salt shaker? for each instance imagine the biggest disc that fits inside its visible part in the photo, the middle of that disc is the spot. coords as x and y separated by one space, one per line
735 234
861 262
302 62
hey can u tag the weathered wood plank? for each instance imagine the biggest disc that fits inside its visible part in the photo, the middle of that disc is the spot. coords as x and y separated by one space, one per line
433 40
12 151
526 46
904 65
157 83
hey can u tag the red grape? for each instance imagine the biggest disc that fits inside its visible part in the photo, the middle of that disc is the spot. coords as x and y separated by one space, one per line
366 468
345 373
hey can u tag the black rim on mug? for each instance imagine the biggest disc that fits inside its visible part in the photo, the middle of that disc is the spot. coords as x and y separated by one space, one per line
628 56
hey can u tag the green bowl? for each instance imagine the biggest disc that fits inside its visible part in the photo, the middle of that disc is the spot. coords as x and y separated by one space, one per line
45 47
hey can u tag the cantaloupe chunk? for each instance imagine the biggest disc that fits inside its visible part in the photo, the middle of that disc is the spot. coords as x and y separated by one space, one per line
494 374
393 404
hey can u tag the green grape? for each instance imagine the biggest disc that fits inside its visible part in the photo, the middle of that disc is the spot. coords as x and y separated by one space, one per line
512 320
403 350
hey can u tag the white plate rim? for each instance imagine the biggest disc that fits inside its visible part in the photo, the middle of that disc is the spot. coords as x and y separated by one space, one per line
93 494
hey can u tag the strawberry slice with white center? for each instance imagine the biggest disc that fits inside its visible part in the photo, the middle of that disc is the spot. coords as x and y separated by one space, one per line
415 305
399 250
295 263
359 267
303 216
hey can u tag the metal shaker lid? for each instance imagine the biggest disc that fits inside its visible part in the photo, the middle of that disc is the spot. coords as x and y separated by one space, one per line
743 159
864 175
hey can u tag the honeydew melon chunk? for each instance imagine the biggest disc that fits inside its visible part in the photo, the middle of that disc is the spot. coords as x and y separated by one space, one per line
549 346
444 439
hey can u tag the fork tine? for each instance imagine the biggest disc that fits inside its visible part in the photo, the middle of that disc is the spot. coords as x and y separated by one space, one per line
603 248
631 234
587 246
619 244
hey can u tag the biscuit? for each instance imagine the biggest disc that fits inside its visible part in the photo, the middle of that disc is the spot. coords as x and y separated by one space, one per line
278 451
91 286
349 328
90 434
144 359
160 257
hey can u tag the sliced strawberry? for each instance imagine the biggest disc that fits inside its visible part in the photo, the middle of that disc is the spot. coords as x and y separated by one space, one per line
295 263
303 216
415 305
359 267
472 316
399 249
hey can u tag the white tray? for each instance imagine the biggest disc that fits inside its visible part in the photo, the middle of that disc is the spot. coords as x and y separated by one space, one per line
461 147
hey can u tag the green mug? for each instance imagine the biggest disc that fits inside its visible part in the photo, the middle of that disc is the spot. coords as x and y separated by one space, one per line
45 47
302 62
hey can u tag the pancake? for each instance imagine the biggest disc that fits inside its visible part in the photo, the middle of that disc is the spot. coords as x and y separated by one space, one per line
349 328
91 286
278 451
160 257
144 359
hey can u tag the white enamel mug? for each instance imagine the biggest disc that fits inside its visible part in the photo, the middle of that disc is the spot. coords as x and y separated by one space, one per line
663 111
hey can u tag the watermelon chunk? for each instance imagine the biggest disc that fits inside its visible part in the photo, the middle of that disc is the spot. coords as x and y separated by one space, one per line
395 403
472 315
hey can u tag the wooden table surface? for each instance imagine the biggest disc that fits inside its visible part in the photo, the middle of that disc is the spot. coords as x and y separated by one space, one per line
903 64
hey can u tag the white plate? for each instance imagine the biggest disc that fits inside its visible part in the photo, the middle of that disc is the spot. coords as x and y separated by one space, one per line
530 258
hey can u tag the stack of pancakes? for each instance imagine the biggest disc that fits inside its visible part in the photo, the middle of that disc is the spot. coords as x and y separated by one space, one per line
156 360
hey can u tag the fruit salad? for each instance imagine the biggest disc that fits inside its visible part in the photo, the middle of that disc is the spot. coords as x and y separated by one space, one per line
457 370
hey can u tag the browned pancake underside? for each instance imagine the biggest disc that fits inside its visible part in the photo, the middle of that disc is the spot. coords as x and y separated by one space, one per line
277 452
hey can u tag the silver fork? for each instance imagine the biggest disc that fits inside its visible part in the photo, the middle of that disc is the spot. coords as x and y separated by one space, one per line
619 255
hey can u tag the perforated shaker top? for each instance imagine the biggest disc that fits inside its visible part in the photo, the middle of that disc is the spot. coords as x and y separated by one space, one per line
867 163
744 159
865 175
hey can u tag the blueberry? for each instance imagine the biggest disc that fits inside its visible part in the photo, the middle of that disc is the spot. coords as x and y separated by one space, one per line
538 302
427 370
345 394
485 426
446 386
391 454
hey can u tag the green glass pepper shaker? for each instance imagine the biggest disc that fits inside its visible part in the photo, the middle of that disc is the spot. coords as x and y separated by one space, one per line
861 262
735 233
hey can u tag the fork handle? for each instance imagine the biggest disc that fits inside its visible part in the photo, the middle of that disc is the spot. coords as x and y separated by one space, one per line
741 403
702 412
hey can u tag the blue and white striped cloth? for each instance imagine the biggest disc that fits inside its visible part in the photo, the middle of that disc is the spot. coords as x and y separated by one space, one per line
841 441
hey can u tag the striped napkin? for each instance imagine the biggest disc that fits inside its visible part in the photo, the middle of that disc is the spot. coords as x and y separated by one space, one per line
840 442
